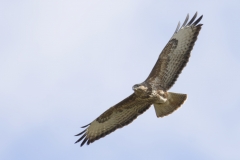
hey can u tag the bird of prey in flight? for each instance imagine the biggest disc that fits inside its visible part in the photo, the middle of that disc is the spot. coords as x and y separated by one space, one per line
154 90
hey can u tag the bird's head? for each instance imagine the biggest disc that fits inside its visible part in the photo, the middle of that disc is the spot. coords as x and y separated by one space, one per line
139 88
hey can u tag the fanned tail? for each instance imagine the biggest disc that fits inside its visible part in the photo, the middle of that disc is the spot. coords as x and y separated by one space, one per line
174 101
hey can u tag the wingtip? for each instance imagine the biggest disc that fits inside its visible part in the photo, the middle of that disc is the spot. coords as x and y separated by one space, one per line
85 125
81 132
88 142
187 16
83 136
84 141
192 20
177 27
198 20
185 22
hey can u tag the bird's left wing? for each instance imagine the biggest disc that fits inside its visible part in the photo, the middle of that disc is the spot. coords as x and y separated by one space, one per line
175 55
115 117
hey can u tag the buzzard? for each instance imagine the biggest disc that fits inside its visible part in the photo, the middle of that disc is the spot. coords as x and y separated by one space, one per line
154 90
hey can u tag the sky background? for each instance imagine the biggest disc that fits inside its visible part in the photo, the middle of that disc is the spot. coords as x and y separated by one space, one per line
63 63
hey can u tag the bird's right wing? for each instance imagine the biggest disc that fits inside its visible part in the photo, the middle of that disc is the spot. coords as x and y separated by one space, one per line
115 117
175 55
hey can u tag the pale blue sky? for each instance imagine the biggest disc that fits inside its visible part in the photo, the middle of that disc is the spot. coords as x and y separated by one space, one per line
62 63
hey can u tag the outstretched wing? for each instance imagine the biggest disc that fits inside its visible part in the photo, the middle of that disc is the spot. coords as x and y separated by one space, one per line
115 117
175 55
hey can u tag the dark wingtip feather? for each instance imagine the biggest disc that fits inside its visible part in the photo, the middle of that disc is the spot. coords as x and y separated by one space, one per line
85 125
197 21
186 20
83 142
81 133
177 27
81 138
88 142
190 22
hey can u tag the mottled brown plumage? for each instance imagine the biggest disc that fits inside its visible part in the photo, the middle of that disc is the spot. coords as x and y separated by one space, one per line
153 90
174 56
